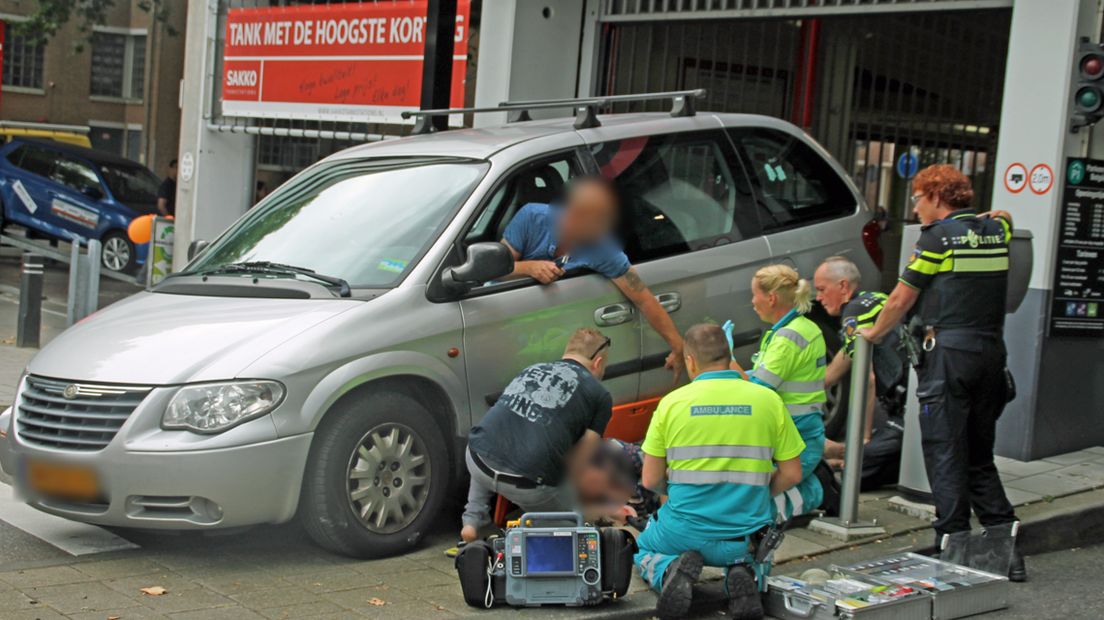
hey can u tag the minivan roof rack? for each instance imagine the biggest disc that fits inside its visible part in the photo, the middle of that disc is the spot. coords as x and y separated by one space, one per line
586 109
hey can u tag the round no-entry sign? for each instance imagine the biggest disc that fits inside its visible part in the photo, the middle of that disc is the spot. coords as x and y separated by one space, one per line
1015 178
1041 178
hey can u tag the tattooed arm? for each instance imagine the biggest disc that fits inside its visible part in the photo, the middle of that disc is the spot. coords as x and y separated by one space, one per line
634 288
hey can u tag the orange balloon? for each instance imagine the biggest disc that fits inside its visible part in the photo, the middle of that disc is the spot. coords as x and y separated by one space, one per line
140 229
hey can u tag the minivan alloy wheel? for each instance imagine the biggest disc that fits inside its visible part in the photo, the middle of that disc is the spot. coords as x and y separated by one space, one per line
116 253
389 474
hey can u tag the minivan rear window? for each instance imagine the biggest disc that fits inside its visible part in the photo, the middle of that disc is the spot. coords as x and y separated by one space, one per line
365 221
795 185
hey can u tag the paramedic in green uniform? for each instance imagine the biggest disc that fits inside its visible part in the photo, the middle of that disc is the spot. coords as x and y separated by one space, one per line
720 448
791 361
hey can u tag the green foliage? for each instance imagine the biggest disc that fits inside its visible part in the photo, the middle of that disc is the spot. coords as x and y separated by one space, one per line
52 15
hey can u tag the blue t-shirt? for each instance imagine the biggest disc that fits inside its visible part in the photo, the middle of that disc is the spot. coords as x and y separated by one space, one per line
532 233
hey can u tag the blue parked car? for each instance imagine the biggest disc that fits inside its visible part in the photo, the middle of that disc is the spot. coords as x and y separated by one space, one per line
60 190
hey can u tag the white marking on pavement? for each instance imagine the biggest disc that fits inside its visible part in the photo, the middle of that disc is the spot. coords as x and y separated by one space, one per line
46 310
70 536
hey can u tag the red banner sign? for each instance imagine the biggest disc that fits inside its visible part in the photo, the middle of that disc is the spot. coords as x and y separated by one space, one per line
345 62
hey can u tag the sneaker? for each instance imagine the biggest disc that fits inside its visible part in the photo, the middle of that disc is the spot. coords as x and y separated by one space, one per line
832 490
744 602
678 586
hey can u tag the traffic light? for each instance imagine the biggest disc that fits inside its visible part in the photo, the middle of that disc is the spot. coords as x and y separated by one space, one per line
1088 88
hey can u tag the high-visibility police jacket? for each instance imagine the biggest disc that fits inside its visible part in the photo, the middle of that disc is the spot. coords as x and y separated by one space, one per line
961 266
889 359
720 436
791 361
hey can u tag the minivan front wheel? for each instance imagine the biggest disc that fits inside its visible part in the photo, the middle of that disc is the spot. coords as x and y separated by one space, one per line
376 477
117 252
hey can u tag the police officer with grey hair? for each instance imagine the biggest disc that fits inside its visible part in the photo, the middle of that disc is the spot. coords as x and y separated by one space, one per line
837 281
955 285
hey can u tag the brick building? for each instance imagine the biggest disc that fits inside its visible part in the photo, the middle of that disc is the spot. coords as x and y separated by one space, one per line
122 80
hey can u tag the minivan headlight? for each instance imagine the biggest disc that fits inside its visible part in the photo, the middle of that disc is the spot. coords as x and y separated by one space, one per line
216 407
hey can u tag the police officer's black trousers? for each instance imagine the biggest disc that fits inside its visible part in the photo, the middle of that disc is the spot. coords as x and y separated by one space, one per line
962 390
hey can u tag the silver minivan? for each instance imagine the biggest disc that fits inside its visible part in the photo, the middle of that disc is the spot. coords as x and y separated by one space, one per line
327 354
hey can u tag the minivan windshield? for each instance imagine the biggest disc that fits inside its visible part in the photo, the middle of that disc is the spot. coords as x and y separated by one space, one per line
364 221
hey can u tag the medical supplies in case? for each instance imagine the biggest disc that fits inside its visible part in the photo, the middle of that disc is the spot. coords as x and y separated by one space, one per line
846 597
956 591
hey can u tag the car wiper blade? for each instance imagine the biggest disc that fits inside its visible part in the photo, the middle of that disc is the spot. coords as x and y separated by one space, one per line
265 266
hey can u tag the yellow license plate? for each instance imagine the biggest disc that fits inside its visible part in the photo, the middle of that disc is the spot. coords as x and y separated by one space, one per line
72 482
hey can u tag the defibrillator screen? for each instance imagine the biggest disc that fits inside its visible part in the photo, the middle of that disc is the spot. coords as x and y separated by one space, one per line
549 555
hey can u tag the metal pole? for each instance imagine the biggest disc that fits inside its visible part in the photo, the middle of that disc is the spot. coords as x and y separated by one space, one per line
92 293
71 308
440 30
856 417
848 525
30 301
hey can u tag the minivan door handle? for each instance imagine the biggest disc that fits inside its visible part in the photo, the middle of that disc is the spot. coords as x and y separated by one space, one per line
613 314
670 302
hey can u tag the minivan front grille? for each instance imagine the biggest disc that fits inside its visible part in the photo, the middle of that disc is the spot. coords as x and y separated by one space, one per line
74 416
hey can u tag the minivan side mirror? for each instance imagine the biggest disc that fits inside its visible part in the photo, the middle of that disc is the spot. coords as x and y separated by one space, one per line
93 193
195 248
486 261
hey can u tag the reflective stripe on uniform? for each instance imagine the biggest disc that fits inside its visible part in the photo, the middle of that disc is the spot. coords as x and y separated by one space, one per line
793 336
647 567
976 265
802 386
822 361
796 502
682 453
689 476
766 377
805 409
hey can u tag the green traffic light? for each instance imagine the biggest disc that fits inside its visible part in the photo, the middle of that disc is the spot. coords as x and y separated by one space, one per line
1088 98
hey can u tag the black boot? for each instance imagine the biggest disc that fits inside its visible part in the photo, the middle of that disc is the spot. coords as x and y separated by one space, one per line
1017 571
831 486
744 602
678 586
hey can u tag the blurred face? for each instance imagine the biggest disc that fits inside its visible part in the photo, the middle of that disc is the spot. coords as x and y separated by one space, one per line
765 304
588 216
596 485
832 294
592 483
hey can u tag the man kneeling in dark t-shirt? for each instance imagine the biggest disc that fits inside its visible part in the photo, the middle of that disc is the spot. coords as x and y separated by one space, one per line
543 428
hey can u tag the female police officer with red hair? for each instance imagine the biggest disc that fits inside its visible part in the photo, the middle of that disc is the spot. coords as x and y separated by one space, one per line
955 284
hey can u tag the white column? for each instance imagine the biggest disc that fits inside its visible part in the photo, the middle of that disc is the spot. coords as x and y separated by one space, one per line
215 170
1051 414
527 50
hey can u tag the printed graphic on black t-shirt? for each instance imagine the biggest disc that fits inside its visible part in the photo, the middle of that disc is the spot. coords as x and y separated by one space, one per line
540 390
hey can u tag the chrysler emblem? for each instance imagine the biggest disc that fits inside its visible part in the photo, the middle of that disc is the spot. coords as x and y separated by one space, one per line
71 391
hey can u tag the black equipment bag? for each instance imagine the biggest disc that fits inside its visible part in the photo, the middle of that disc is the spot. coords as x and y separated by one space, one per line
472 567
618 548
